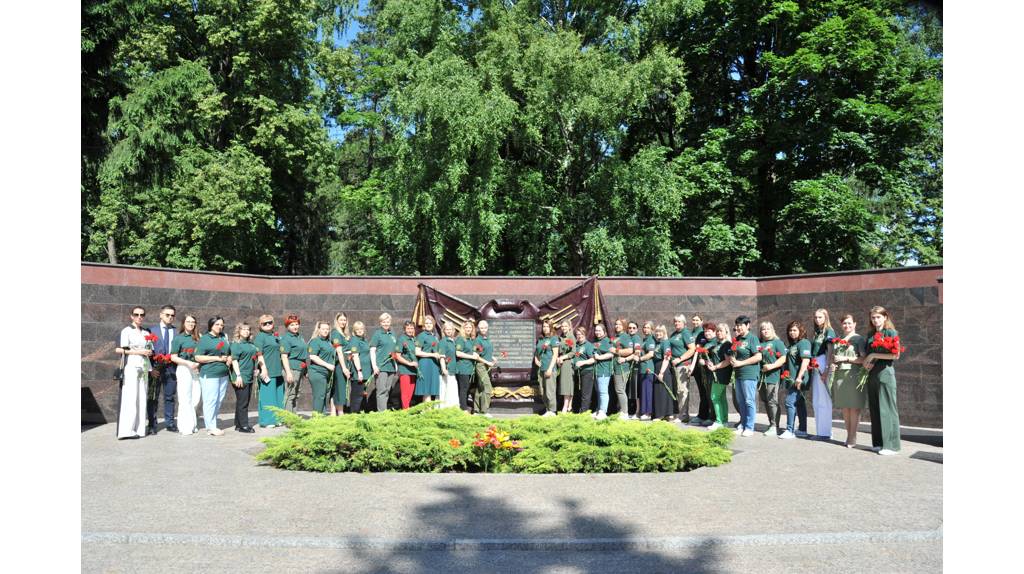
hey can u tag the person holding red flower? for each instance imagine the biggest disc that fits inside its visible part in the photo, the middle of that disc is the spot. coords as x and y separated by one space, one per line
566 352
645 367
544 358
883 347
295 367
321 365
845 371
358 352
773 357
484 362
665 401
339 339
213 353
272 357
463 367
745 361
183 349
448 347
796 378
703 378
717 362
583 362
136 346
428 379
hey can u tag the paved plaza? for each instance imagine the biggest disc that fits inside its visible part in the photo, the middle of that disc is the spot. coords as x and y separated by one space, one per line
169 503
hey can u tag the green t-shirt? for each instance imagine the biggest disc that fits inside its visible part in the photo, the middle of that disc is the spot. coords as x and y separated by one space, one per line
426 342
819 344
295 348
744 348
183 346
484 348
719 351
771 351
270 347
544 351
245 353
662 349
385 343
463 366
680 342
358 346
603 367
406 347
795 354
648 345
213 347
322 348
622 341
447 348
584 350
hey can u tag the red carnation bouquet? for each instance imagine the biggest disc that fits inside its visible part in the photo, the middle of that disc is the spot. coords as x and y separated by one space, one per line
881 344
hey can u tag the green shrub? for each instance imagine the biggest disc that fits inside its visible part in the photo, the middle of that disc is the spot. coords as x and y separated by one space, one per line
423 439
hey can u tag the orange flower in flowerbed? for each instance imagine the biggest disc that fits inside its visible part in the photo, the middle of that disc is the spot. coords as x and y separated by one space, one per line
456 443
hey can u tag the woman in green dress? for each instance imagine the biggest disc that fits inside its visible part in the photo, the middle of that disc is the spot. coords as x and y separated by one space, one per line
428 366
243 351
339 339
845 370
566 352
883 348
321 364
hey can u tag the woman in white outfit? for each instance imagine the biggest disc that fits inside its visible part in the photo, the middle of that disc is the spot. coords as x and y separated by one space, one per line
183 351
131 416
821 395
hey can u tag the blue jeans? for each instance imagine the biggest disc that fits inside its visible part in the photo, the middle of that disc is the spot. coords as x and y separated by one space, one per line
746 394
602 393
795 406
213 389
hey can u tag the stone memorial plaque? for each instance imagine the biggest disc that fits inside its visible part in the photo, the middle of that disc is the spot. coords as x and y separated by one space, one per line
517 338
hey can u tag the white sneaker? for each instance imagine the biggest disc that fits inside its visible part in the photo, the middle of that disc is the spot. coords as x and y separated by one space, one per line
714 426
737 431
787 435
772 431
801 433
549 413
487 415
887 452
645 417
600 416
747 432
215 432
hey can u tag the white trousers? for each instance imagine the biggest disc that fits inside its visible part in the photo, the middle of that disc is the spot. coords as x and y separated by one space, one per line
188 400
449 396
822 400
131 419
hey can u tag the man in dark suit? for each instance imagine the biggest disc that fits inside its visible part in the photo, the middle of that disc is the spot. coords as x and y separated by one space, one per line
164 376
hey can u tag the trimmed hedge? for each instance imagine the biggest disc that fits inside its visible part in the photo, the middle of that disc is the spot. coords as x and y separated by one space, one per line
428 439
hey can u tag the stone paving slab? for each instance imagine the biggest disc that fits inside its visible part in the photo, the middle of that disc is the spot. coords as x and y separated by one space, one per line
203 497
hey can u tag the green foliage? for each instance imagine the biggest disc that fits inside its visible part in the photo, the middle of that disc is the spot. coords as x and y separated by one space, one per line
663 138
418 440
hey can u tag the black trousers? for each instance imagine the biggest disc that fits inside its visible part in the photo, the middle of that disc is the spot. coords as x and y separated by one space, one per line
464 382
242 396
355 395
586 390
704 411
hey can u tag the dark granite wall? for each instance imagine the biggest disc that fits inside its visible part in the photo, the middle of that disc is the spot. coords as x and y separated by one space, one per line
913 297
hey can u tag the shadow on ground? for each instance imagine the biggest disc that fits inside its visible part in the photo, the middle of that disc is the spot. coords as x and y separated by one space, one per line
596 542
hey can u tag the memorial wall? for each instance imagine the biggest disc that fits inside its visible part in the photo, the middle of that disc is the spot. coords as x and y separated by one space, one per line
914 295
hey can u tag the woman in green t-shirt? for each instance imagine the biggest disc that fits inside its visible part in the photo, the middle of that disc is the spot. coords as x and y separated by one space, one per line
719 351
321 365
428 365
213 354
339 388
796 377
544 356
449 395
243 351
405 357
583 362
183 349
358 351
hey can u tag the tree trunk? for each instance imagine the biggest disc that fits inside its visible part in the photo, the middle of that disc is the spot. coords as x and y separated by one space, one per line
111 249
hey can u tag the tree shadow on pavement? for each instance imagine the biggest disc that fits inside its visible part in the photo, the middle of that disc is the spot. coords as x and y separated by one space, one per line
598 542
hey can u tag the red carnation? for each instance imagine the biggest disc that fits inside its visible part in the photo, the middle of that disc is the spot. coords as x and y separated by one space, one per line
785 374
275 334
570 342
701 350
434 344
504 354
668 352
151 338
479 348
813 364
257 355
778 354
302 365
220 345
188 350
449 359
544 346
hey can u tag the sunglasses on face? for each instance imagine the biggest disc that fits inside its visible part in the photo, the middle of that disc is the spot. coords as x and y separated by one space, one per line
138 314
267 323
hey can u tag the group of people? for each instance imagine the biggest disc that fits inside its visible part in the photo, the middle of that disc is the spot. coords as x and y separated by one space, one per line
650 367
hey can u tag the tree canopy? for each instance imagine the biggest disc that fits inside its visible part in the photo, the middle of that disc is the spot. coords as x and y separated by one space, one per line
502 137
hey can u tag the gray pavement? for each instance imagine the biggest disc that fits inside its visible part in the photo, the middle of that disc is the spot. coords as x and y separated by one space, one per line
201 502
